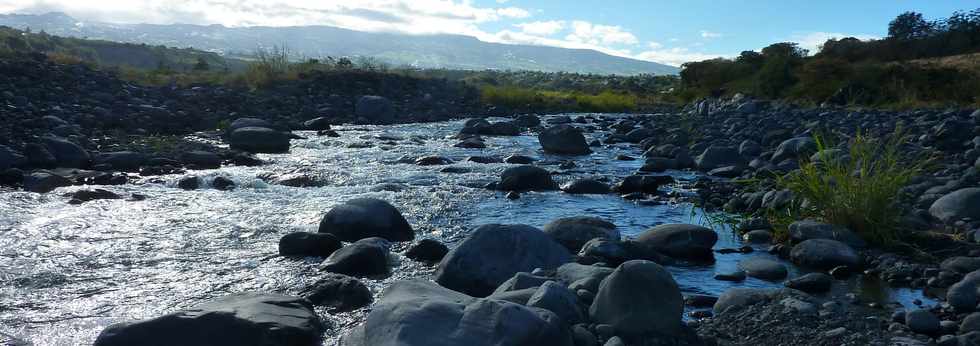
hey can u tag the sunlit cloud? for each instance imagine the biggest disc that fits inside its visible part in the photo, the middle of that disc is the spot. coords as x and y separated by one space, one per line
547 28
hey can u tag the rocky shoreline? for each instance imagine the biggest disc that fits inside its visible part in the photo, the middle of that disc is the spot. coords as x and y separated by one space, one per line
574 282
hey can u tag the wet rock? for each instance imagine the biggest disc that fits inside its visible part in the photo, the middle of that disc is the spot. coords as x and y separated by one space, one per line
658 164
247 319
565 140
44 182
366 217
527 121
735 276
67 153
201 159
259 140
427 250
955 206
643 183
718 156
639 298
10 158
491 254
483 127
758 236
586 187
296 180
962 296
340 293
472 142
317 124
824 254
513 195
411 312
811 283
810 229
375 110
519 160
189 183
680 240
432 161
246 122
365 257
524 178
574 232
121 160
614 252
484 159
763 268
556 298
82 196
308 244
222 183
922 321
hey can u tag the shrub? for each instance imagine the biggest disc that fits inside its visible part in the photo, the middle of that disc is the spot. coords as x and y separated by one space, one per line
858 188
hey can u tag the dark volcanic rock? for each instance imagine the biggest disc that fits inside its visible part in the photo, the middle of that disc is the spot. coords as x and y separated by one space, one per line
341 293
201 159
365 257
427 250
259 140
824 254
955 206
67 153
44 182
248 319
121 160
586 187
308 244
680 240
491 254
643 183
564 139
375 110
573 232
524 178
366 217
639 298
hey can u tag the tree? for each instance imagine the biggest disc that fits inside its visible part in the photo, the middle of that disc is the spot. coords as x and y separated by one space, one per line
909 25
789 50
202 65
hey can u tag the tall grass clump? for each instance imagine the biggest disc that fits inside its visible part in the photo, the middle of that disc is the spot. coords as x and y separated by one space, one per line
517 97
858 187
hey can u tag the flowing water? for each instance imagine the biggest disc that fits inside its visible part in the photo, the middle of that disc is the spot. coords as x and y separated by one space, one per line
67 271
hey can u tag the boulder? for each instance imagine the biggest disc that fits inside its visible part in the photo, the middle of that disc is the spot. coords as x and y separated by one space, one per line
811 283
375 110
958 205
922 321
365 257
44 182
643 183
366 217
573 232
201 159
739 297
67 153
39 156
680 240
82 196
420 313
247 319
491 254
810 229
963 295
427 250
524 178
824 254
527 120
521 281
614 252
961 264
246 122
718 156
794 149
639 298
564 140
121 160
586 187
317 124
584 276
340 293
556 298
308 244
259 140
10 158
763 268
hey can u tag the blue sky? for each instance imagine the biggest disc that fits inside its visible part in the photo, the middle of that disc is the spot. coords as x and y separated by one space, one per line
670 32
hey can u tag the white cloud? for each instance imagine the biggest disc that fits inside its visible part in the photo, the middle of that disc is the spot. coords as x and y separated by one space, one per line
595 34
676 56
513 12
655 45
710 35
547 28
813 40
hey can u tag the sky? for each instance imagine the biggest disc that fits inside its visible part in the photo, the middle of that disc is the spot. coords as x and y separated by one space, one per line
665 31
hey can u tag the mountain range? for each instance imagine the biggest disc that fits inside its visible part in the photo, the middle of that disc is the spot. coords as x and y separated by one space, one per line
422 51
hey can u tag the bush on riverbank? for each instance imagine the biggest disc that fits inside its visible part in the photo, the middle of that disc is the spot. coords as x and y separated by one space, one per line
523 98
858 187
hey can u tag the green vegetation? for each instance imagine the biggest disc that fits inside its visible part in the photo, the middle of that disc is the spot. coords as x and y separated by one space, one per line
891 72
858 187
515 97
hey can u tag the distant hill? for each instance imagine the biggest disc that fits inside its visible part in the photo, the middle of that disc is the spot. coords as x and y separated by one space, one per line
108 53
431 51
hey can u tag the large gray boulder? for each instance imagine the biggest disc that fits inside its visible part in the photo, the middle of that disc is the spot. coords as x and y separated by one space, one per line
582 276
491 254
963 295
246 122
259 140
247 319
557 298
824 254
364 218
121 160
680 240
639 298
717 157
44 182
957 205
763 268
375 110
524 178
803 230
67 153
573 232
338 292
564 139
10 158
740 297
365 257
795 148
420 313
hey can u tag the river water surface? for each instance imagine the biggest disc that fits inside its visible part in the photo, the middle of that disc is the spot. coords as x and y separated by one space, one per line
67 271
